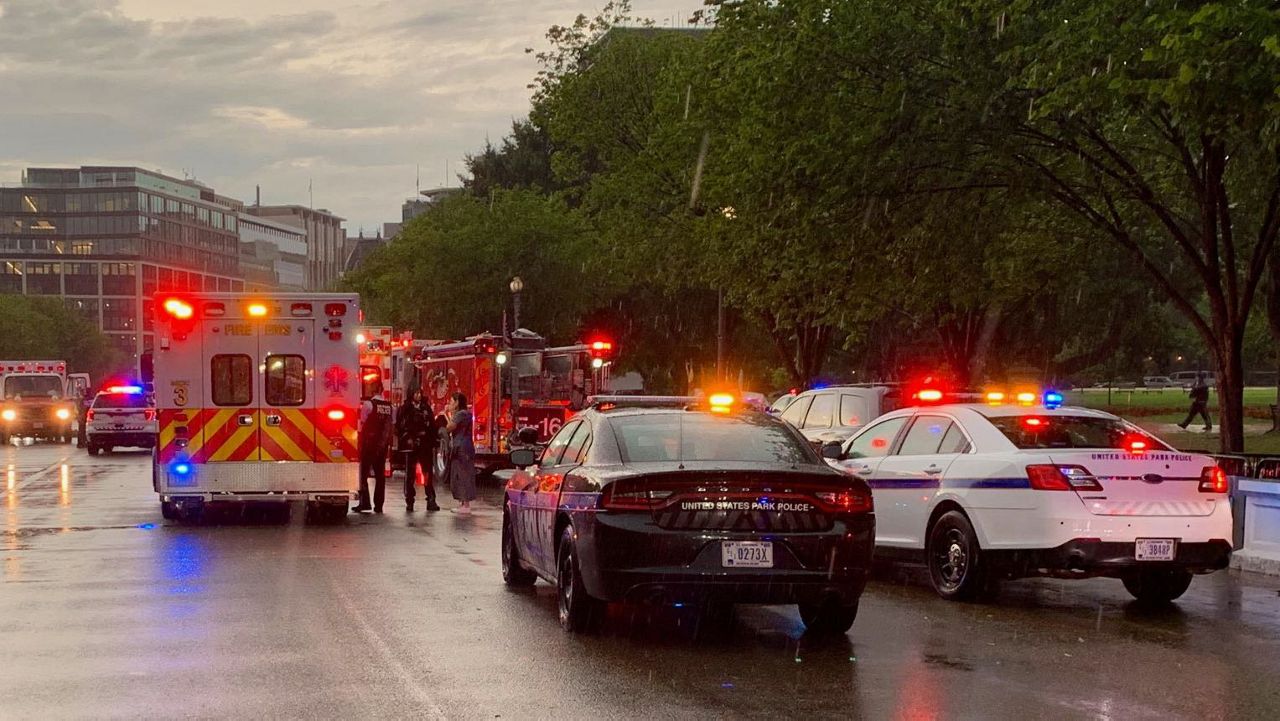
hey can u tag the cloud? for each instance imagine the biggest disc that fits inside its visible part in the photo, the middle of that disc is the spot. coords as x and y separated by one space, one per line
348 94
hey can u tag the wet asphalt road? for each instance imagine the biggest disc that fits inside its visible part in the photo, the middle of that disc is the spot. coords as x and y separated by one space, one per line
106 611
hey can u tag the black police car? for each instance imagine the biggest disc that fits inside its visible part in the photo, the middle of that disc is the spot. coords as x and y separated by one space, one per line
681 501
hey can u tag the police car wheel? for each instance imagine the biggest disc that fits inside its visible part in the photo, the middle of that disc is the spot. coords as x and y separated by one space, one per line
168 511
579 612
828 616
955 560
513 574
93 450
1157 585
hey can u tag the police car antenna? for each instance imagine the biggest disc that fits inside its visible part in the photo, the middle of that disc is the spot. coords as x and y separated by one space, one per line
680 445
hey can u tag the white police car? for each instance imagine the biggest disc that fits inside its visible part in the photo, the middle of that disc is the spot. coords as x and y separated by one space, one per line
988 492
120 416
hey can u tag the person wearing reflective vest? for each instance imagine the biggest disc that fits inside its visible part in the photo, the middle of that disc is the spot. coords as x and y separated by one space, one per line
375 439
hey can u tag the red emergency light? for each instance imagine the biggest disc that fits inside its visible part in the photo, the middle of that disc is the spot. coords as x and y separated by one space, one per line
600 348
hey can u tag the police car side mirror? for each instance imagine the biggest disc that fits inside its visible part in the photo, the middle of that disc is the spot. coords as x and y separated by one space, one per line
832 451
527 434
524 457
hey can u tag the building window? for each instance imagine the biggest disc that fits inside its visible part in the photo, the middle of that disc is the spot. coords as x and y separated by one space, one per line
148 280
119 279
11 276
86 307
210 283
224 285
128 346
148 315
82 247
81 279
44 278
166 280
157 205
120 314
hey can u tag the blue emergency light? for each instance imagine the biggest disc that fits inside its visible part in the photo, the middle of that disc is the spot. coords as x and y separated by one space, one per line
130 390
181 473
1052 399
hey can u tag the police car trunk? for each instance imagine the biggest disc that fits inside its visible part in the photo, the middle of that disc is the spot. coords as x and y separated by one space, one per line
257 397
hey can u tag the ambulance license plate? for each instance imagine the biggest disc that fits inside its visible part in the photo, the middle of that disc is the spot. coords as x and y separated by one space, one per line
1155 549
746 554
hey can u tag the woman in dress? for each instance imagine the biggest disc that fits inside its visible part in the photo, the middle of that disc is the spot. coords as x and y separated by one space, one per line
462 453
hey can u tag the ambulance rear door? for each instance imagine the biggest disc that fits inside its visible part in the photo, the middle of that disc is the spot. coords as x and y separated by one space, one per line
286 346
230 429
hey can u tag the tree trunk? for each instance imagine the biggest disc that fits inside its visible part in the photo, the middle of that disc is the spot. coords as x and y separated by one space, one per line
1231 395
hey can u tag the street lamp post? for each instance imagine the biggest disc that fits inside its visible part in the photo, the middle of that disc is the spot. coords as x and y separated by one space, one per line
516 287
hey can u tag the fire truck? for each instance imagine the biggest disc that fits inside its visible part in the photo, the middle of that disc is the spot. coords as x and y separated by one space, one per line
258 398
493 372
38 399
375 354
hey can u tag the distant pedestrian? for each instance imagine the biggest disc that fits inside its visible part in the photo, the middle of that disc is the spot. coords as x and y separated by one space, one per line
418 437
462 452
1199 395
375 439
82 417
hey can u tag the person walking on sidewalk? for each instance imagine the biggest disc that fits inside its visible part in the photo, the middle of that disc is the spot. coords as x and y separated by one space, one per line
1199 394
374 440
462 453
418 437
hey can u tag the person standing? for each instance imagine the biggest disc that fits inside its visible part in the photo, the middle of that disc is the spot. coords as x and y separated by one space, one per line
374 439
418 435
1199 394
462 453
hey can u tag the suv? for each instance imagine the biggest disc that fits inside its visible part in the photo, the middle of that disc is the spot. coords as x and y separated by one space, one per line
834 413
121 416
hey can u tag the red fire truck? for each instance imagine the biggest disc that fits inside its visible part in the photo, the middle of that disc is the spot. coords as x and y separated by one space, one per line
374 343
486 368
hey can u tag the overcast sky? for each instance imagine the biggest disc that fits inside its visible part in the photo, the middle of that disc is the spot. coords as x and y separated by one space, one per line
347 94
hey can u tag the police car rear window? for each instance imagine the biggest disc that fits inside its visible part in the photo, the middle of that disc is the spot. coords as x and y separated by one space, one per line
699 437
120 400
1050 431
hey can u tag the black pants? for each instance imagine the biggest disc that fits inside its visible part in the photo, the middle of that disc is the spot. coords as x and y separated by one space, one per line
424 459
378 466
1201 409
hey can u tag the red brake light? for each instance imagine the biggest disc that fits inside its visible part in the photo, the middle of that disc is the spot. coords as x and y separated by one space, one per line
1136 445
337 414
88 415
845 501
335 310
1046 477
1032 422
616 498
149 414
929 395
1214 480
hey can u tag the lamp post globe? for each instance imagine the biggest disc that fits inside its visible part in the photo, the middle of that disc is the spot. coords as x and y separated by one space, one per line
517 285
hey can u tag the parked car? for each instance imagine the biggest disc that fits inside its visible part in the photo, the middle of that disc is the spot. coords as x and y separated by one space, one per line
1159 382
834 413
673 501
1186 379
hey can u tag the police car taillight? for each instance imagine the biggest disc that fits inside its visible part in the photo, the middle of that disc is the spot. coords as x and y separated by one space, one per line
1214 480
617 497
845 501
1048 477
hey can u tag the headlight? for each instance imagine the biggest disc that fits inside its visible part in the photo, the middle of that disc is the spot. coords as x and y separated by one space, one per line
8 414
63 414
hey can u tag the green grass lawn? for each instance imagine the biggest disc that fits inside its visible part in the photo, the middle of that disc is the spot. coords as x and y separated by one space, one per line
1157 410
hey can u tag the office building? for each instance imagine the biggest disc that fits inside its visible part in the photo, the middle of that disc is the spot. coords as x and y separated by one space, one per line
325 235
107 238
273 256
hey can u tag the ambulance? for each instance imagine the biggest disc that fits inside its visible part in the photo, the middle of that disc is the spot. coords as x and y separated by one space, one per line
257 398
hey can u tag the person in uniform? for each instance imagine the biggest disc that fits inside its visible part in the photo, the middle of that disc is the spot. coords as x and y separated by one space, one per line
1199 394
418 437
374 439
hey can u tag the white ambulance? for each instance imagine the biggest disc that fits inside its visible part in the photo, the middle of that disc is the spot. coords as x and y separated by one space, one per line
258 398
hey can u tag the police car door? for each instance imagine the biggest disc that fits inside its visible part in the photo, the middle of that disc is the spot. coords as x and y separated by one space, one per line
908 479
286 347
863 453
541 498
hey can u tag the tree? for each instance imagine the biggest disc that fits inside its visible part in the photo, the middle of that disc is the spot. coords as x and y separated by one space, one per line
446 275
522 161
1156 124
45 328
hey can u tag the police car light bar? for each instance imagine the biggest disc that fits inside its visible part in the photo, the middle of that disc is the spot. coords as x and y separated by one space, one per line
128 390
640 401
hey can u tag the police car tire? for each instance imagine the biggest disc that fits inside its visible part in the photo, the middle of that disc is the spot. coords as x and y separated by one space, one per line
168 511
579 612
968 583
828 616
93 450
1156 586
513 574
